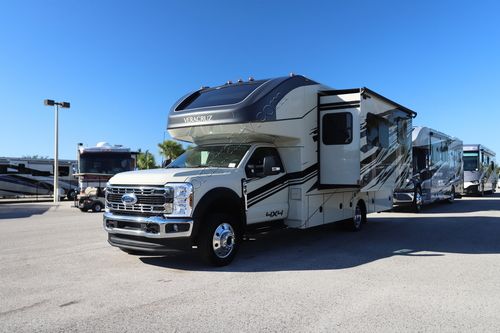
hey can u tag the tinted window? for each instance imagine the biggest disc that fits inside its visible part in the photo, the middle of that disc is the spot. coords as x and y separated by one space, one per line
63 171
337 128
225 95
471 161
105 163
255 165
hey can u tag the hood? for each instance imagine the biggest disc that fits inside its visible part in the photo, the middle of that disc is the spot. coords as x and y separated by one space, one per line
163 176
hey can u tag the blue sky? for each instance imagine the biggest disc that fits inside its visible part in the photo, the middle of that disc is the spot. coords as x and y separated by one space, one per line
122 64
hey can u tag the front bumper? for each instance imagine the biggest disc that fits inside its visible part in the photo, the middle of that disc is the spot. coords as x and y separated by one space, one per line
471 188
152 234
403 197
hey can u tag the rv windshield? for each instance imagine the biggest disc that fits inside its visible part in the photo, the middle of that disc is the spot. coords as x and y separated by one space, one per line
471 160
105 163
223 156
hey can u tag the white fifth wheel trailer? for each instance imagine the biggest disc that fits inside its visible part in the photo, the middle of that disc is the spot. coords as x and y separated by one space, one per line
480 170
286 150
437 172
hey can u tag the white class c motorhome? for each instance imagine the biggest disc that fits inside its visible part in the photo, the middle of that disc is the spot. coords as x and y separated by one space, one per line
286 150
480 170
437 172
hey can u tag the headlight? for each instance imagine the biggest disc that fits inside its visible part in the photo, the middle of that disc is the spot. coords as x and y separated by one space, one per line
181 195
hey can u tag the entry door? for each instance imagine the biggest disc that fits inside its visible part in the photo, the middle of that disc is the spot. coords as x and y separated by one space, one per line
339 147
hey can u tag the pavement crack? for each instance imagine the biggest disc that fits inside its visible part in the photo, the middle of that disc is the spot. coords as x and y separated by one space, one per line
22 308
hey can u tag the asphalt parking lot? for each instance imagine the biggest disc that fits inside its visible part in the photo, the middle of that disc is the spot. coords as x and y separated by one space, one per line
434 271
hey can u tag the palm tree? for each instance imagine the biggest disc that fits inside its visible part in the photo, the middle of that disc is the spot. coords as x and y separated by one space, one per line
170 149
146 161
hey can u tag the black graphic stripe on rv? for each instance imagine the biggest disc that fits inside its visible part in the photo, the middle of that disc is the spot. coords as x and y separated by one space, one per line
281 180
279 189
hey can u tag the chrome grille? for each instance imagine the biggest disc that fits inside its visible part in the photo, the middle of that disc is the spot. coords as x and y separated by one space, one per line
149 199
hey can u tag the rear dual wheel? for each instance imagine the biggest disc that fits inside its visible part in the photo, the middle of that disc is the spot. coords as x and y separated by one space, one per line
359 217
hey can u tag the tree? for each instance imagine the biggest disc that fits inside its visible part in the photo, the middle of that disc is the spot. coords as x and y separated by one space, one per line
36 157
170 149
146 161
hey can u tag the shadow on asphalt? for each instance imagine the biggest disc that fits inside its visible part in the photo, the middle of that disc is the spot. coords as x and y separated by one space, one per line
330 247
21 211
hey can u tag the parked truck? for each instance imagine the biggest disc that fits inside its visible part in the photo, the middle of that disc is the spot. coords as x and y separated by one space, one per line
284 151
437 170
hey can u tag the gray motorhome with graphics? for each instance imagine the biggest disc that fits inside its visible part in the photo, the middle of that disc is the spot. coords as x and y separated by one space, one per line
480 170
285 151
437 171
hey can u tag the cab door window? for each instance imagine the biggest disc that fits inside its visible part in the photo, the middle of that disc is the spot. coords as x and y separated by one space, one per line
255 165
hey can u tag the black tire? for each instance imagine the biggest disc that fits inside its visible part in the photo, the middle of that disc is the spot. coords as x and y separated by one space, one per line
219 239
417 200
71 195
97 207
359 217
452 195
83 210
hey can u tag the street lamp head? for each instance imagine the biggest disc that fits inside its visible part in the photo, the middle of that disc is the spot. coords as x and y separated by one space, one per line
49 102
65 105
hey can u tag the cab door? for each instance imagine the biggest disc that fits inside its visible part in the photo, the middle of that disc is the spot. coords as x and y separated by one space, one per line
266 194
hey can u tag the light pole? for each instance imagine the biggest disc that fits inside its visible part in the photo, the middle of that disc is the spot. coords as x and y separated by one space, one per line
64 105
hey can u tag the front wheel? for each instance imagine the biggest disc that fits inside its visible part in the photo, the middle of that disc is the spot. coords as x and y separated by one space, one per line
452 195
219 239
97 207
417 200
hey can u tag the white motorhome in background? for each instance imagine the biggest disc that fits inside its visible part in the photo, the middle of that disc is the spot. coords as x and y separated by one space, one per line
480 170
21 177
437 172
96 165
286 150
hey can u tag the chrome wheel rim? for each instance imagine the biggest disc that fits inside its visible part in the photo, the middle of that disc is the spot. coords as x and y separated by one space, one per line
357 217
418 199
223 240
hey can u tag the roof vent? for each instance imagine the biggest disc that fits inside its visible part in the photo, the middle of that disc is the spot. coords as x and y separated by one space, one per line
229 82
250 79
292 74
240 80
